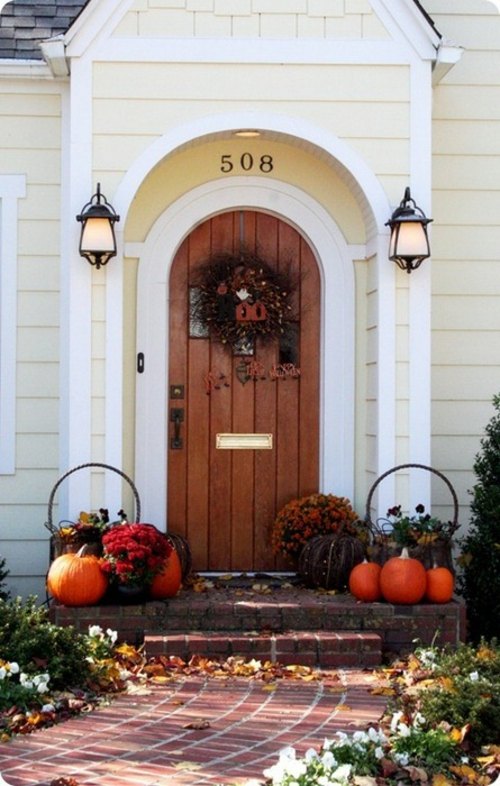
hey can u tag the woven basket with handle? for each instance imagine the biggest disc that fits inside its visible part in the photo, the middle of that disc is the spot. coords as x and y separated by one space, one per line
435 551
59 545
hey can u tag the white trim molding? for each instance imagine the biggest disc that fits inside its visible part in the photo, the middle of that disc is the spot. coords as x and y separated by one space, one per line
12 188
335 260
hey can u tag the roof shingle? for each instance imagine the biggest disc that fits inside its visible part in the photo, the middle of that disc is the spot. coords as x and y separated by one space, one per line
24 24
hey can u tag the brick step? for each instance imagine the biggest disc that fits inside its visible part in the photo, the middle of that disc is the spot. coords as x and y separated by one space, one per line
324 649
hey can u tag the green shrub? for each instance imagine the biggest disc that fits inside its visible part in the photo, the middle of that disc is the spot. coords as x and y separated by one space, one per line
467 693
28 638
479 582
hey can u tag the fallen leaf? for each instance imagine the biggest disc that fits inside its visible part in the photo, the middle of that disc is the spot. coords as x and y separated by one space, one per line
186 765
464 771
197 725
344 708
441 780
270 687
417 773
383 691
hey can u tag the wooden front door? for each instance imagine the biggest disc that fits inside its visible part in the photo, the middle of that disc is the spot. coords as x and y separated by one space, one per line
224 500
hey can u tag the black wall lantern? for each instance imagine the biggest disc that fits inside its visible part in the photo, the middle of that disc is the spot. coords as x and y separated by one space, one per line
409 244
98 241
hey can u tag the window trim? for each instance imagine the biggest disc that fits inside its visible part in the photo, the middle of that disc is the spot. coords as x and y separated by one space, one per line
12 188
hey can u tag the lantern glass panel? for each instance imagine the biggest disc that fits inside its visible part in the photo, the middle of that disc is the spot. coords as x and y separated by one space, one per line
97 235
409 240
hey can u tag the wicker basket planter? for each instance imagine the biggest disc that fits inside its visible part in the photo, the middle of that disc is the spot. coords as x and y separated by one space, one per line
431 548
60 544
327 560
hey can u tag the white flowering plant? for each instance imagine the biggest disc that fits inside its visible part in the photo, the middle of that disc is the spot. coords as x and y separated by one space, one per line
336 763
17 688
406 749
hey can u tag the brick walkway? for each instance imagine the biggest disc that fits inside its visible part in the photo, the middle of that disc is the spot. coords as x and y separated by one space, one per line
143 739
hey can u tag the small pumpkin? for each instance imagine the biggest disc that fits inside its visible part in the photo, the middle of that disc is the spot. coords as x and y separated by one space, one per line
403 579
167 582
364 581
440 585
76 579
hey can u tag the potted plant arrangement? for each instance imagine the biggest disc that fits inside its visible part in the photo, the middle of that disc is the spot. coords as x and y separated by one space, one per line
133 554
426 537
302 519
87 530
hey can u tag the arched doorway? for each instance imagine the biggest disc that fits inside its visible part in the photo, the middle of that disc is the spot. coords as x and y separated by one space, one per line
244 419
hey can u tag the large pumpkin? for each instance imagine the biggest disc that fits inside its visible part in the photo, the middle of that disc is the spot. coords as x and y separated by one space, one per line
403 579
167 582
77 579
440 585
364 581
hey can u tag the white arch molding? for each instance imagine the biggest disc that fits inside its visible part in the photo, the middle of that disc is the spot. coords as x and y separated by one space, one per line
335 260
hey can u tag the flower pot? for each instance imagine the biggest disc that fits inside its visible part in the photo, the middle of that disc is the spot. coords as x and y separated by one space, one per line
127 594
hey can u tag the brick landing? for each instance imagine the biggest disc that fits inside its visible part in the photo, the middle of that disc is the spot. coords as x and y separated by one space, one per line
286 620
146 739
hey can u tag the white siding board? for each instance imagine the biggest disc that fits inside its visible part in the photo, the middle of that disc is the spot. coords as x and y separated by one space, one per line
39 238
472 31
349 119
37 450
456 451
465 383
38 309
465 348
346 27
466 312
465 173
38 343
28 487
469 247
210 26
467 102
458 418
241 82
467 137
38 273
37 379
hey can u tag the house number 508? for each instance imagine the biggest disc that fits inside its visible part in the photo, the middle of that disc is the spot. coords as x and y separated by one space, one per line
246 163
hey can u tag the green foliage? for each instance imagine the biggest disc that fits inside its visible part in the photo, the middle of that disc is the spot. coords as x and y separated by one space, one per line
479 582
4 593
20 690
429 748
466 692
29 638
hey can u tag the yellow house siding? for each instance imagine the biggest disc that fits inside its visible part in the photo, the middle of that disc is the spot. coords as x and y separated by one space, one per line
465 241
30 138
266 18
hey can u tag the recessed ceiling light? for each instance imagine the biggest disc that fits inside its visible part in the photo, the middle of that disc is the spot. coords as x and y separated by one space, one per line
247 132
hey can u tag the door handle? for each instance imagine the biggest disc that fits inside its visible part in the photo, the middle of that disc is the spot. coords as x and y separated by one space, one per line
176 417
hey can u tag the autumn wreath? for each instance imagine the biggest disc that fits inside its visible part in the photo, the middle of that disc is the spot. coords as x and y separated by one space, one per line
241 297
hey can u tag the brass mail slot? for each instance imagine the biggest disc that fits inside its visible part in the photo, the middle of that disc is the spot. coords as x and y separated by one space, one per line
244 441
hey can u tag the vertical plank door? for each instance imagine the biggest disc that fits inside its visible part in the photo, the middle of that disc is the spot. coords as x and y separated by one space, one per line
224 501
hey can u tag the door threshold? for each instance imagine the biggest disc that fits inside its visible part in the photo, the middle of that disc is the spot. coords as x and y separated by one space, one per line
246 579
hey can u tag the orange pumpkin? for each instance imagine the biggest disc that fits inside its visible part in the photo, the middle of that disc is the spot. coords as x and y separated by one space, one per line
167 582
403 579
364 581
76 579
440 585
